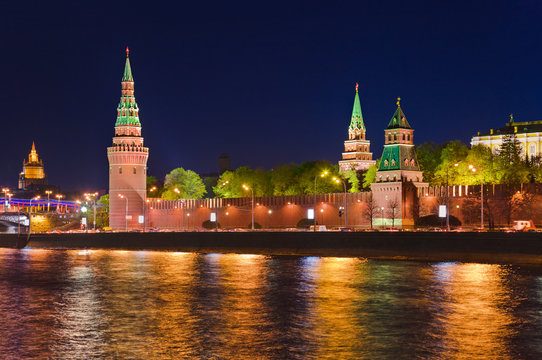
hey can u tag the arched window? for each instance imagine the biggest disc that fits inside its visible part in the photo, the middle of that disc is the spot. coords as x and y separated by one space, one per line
134 169
385 162
395 137
403 137
392 162
406 162
412 162
120 170
389 137
408 137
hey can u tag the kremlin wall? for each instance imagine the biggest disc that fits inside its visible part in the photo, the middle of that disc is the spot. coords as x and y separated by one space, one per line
397 198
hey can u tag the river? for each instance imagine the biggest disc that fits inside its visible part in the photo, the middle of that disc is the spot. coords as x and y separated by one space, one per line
108 304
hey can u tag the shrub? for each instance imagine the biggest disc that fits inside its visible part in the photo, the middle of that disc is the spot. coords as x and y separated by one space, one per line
208 224
256 226
305 223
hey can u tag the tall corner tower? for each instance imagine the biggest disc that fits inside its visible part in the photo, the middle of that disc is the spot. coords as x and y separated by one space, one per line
127 161
398 177
356 155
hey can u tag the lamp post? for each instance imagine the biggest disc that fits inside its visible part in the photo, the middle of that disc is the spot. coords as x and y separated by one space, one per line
9 200
481 196
252 192
30 215
382 214
92 196
339 180
48 192
126 215
58 197
316 177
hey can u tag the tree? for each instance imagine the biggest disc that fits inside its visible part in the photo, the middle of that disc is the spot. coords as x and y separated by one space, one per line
371 209
351 177
102 211
429 158
370 176
454 152
154 187
393 206
183 184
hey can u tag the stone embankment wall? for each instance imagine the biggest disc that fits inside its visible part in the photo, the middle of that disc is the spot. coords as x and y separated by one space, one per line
489 247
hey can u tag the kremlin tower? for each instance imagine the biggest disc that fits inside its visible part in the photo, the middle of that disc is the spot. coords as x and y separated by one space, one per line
356 155
398 177
127 162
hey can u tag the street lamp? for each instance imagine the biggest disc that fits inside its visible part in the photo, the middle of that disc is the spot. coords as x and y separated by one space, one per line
48 192
323 174
339 180
382 214
252 192
92 196
9 200
5 191
481 195
58 197
30 215
126 215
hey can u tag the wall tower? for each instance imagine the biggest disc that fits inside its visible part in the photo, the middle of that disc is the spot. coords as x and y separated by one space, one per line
127 161
356 155
398 177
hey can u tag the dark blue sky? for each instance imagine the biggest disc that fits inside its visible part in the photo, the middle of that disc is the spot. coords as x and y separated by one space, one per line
267 83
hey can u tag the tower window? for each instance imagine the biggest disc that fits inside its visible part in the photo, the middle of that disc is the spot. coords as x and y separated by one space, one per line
408 137
120 170
403 137
389 137
134 170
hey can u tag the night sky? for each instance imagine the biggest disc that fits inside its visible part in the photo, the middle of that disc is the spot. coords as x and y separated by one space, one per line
266 82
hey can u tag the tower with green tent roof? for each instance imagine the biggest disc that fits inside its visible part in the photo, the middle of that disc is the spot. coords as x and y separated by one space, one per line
356 155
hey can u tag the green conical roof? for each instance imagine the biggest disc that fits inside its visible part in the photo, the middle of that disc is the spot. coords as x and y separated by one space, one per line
127 111
356 121
399 120
127 69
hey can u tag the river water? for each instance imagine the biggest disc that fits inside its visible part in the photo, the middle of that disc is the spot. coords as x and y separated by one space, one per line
107 304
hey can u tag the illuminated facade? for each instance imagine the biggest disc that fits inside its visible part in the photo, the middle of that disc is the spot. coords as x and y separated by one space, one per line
398 177
356 155
33 172
528 134
127 161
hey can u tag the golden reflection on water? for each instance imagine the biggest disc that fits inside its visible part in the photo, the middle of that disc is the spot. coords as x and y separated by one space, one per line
335 304
477 316
84 304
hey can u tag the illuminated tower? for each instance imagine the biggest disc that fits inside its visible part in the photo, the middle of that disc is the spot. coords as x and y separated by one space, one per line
356 155
398 177
32 170
127 161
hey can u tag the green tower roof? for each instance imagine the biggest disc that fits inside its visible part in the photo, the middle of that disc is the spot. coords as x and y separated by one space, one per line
356 121
127 69
399 120
127 111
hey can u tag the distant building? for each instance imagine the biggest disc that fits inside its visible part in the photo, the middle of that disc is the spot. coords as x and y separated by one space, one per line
127 161
398 177
224 163
356 155
33 174
529 135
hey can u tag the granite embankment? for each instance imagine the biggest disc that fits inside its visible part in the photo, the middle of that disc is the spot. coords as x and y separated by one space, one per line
490 247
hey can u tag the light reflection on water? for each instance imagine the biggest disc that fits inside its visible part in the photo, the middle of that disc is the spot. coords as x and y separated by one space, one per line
145 304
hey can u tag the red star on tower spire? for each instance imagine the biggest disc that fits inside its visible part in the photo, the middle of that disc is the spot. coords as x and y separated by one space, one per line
357 88
127 51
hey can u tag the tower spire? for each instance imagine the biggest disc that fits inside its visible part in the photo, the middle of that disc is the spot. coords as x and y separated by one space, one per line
127 68
356 121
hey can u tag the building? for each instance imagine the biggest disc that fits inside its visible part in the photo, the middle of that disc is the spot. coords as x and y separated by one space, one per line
398 177
33 174
529 135
356 155
127 161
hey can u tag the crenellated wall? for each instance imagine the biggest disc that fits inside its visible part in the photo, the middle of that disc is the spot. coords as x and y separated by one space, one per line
286 211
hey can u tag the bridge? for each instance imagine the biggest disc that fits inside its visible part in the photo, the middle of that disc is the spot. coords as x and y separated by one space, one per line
14 205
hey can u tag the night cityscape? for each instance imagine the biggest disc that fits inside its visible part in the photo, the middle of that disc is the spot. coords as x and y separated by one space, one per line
277 181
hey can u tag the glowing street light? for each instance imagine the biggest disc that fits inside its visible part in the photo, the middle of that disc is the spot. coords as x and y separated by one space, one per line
252 202
48 192
323 174
338 181
126 215
473 169
92 196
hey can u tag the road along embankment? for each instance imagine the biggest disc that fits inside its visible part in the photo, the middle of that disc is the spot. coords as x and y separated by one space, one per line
490 247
